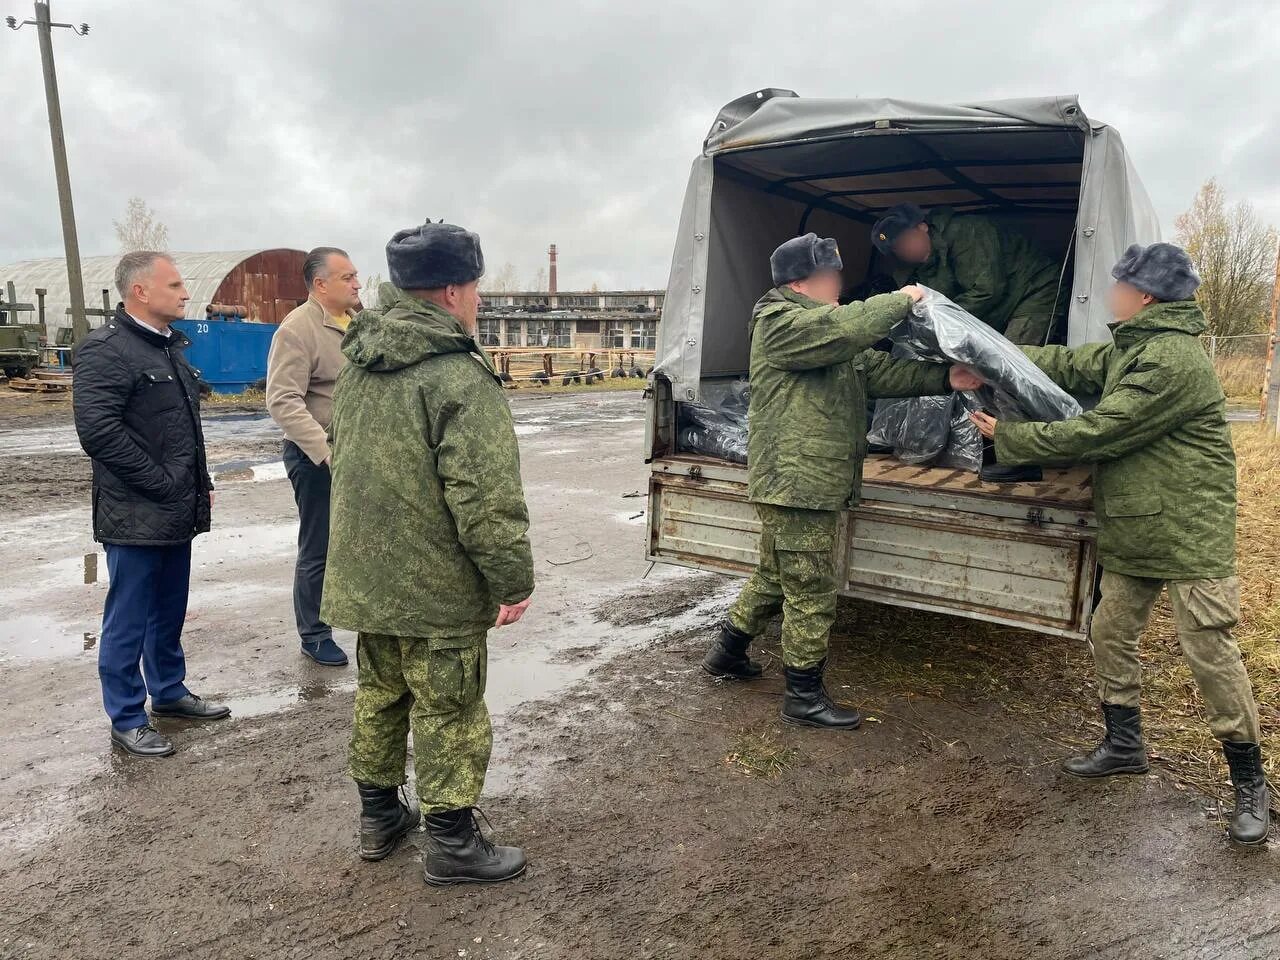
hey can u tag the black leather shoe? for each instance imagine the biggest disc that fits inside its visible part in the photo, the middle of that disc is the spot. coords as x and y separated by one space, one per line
727 656
190 707
383 821
457 852
1121 749
144 741
1252 815
807 703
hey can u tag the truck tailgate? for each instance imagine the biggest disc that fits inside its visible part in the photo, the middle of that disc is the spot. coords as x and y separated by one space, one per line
926 538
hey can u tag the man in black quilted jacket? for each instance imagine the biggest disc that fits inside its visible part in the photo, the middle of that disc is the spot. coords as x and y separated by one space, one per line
137 413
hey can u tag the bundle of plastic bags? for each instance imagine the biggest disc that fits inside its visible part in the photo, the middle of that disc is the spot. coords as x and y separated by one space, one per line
937 430
717 427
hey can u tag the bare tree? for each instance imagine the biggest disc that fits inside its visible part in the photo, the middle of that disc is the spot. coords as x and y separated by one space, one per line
504 281
140 229
1234 253
539 280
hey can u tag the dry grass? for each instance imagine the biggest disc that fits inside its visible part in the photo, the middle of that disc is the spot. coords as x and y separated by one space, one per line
250 398
761 754
886 654
1241 376
1177 717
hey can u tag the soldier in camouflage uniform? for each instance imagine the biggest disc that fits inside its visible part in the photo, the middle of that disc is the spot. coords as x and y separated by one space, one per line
1165 496
428 549
994 272
812 371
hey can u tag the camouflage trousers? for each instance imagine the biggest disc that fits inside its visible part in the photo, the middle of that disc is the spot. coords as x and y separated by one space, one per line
796 577
434 687
1204 611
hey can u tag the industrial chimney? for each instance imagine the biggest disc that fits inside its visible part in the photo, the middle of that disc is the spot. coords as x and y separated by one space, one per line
552 275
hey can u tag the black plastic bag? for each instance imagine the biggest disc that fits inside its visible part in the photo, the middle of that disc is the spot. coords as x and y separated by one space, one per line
717 427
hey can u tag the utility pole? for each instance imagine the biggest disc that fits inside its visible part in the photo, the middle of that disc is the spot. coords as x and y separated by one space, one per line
75 282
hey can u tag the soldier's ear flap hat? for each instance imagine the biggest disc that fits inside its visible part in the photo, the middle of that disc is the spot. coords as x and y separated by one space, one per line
894 223
802 257
1162 270
434 255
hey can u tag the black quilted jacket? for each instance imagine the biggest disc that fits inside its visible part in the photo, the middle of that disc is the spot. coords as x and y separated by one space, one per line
137 413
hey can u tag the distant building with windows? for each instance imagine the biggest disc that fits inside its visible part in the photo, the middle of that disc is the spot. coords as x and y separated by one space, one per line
586 320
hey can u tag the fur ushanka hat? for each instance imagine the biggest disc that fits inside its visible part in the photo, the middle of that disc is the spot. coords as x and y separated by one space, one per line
802 257
1162 270
895 221
434 255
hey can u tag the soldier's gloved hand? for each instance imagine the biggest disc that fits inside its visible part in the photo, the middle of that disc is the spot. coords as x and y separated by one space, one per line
962 378
510 613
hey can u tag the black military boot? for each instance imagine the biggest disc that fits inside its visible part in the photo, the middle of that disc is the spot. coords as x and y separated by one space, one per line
806 701
727 656
1121 749
993 472
1252 816
457 852
383 821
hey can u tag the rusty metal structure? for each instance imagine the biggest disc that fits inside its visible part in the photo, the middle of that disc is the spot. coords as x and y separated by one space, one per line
266 284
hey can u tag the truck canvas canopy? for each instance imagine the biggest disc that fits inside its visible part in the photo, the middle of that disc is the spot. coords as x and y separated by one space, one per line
775 165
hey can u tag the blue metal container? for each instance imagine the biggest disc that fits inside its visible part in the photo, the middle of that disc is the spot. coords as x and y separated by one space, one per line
230 355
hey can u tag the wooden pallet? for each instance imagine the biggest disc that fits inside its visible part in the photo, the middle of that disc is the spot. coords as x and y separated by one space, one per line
43 384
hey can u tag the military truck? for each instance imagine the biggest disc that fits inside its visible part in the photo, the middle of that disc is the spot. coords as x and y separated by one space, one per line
775 165
19 348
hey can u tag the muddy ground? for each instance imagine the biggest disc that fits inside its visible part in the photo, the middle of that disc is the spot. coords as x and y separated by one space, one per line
665 815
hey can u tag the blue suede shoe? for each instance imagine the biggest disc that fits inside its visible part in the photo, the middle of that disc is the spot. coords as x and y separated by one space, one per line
326 653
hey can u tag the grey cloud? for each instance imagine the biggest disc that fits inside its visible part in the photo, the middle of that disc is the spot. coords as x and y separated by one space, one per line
247 124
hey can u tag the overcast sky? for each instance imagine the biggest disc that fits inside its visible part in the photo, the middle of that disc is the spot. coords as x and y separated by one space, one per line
291 123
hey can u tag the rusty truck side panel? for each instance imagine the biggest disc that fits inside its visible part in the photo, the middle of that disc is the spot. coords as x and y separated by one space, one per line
924 538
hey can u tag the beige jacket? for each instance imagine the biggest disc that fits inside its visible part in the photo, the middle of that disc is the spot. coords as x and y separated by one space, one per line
306 356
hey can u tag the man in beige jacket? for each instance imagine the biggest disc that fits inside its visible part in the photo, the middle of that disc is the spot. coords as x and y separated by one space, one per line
306 356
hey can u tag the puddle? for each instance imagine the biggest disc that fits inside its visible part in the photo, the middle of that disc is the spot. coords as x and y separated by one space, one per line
257 471
33 636
284 698
41 441
34 620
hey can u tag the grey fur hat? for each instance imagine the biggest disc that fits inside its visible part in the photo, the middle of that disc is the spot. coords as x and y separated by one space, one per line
434 255
897 219
802 257
1162 270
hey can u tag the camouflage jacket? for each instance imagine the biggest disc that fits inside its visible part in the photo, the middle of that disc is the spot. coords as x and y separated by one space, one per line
811 373
983 266
1165 471
428 527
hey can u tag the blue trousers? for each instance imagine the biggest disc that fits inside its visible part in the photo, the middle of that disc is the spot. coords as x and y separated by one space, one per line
142 630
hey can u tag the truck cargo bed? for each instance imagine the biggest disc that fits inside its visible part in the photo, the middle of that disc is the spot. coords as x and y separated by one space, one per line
926 538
